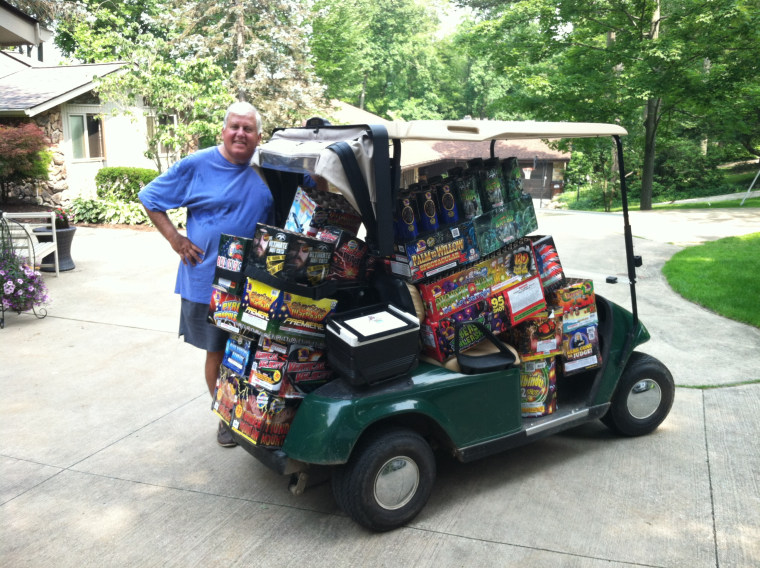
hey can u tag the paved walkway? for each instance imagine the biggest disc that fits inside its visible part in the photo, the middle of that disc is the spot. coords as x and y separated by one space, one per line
108 458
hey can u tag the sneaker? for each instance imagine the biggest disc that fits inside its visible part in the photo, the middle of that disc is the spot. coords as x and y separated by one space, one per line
224 436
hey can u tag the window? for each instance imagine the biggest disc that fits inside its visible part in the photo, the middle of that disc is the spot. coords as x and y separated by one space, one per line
86 136
163 121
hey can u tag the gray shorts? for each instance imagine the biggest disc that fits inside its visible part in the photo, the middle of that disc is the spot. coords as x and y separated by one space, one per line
196 329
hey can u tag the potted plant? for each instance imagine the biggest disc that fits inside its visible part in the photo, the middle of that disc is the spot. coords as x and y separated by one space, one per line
64 234
23 288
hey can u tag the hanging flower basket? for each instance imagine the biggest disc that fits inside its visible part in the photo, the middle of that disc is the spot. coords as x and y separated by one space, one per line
22 287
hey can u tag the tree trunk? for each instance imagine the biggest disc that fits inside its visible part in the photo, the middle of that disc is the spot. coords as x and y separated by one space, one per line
239 47
650 135
363 93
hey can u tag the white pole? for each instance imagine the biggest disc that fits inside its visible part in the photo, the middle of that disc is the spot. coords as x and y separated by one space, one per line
750 188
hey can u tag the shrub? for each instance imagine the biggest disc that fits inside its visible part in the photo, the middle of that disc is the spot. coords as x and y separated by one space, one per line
24 155
122 184
101 211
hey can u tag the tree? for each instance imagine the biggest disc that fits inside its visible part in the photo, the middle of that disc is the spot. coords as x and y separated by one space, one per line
23 155
633 61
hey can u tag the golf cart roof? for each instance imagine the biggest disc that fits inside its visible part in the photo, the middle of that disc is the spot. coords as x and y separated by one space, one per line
363 161
482 130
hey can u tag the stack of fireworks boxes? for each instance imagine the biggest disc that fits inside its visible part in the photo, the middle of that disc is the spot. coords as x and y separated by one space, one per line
513 284
276 350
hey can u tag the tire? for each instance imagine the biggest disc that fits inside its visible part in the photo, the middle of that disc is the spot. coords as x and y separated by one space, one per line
387 481
643 397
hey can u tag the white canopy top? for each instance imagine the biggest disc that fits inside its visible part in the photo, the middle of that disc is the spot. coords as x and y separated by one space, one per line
481 130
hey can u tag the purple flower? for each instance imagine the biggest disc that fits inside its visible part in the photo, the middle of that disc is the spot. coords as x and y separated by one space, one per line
8 288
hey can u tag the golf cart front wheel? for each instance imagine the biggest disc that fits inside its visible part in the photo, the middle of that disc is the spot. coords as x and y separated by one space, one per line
387 481
643 397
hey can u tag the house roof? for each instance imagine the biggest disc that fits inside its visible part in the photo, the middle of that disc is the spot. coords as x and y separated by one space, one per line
419 152
27 90
17 28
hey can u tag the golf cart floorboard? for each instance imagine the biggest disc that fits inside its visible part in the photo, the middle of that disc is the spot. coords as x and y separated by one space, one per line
534 428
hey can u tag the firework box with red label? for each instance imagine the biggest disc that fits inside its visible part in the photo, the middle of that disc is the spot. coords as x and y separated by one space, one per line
436 252
522 290
367 345
230 263
223 311
538 387
225 394
348 256
307 367
549 266
538 337
257 305
262 419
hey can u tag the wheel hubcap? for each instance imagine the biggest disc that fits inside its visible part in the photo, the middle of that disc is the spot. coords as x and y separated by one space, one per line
396 482
644 399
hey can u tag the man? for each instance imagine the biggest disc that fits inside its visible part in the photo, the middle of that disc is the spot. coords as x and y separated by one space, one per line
222 194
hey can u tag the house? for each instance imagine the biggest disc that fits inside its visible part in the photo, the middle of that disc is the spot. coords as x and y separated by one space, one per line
84 133
543 167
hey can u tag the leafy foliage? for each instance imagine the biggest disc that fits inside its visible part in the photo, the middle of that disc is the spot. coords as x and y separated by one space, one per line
22 287
114 212
23 155
122 183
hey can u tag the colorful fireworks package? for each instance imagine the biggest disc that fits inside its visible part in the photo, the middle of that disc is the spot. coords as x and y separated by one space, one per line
262 419
298 319
549 267
223 311
466 190
238 355
257 305
436 252
225 394
538 387
230 263
538 337
313 209
523 294
580 339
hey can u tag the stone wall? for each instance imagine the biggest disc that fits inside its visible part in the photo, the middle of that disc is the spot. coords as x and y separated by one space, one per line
49 191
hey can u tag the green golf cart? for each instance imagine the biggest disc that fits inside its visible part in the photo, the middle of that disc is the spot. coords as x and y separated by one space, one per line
376 441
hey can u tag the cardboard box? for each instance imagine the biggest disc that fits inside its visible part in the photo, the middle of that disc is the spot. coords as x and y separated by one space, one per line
580 342
435 253
538 337
224 310
230 263
538 387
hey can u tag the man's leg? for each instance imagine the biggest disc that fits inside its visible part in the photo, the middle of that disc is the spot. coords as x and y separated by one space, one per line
213 360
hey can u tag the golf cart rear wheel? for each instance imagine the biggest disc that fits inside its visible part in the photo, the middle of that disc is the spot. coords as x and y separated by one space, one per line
387 481
643 397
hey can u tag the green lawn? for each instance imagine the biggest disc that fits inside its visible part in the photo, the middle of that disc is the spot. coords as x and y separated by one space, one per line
723 276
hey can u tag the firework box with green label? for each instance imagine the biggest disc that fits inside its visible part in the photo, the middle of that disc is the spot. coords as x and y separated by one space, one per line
230 263
538 387
435 253
580 339
495 229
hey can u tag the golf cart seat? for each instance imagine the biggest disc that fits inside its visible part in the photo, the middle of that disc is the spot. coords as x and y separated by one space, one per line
490 354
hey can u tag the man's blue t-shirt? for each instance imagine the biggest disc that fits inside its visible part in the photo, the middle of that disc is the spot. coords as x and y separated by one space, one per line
221 197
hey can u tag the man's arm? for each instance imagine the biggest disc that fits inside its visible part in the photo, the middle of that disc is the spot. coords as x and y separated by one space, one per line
183 246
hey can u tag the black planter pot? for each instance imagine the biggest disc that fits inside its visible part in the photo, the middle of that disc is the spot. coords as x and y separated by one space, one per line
64 238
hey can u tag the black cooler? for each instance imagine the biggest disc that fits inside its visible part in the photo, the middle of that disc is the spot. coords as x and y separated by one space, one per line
371 344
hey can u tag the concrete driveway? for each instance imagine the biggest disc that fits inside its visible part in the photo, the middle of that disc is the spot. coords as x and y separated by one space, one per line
108 457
